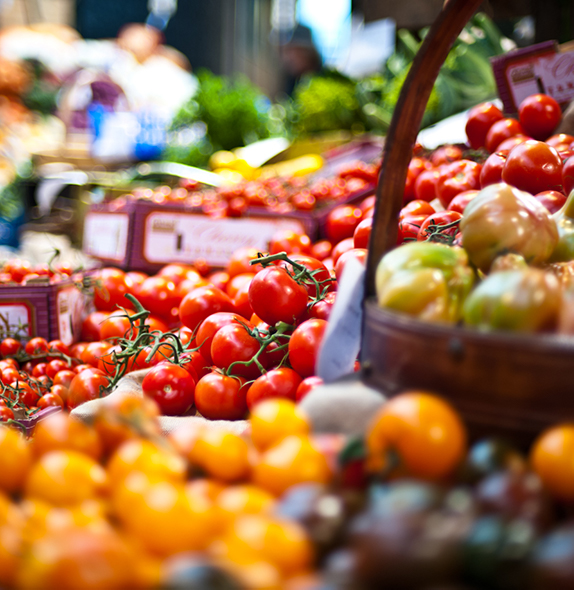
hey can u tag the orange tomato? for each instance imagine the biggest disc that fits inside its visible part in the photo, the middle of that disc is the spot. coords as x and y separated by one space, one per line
551 458
423 430
15 460
221 454
274 419
293 460
60 431
65 478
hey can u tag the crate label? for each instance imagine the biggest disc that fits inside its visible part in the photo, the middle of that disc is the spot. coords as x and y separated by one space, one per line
13 316
106 235
183 237
69 306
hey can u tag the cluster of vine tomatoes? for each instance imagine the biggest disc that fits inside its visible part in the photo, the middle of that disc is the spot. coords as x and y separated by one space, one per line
18 270
520 152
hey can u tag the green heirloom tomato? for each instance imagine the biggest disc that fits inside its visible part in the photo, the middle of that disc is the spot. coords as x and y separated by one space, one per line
502 219
525 300
426 280
564 219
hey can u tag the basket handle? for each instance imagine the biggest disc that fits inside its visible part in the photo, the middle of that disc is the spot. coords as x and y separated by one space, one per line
405 125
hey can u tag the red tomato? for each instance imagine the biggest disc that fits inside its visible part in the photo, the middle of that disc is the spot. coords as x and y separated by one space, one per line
210 326
17 268
196 362
201 303
568 175
9 374
480 120
232 343
55 366
368 203
409 228
342 247
416 166
289 241
322 309
445 155
341 222
512 142
316 268
306 386
282 382
456 178
219 279
491 172
116 325
171 387
175 272
92 326
417 207
534 167
26 394
277 297
64 377
560 142
219 397
237 282
425 185
58 346
159 295
36 346
6 414
110 291
10 346
93 352
461 200
87 385
552 200
304 346
539 115
242 303
436 220
359 254
321 249
501 130
362 233
134 280
50 399
239 262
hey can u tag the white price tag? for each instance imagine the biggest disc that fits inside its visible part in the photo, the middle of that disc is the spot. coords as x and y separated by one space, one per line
183 237
342 340
106 235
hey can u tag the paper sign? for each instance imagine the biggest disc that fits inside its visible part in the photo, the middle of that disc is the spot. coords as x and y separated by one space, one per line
342 340
15 315
183 237
106 235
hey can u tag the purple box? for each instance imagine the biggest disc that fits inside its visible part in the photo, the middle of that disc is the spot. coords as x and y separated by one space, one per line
54 311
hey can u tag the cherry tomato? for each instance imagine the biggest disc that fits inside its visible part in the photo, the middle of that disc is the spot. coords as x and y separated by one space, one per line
534 167
539 115
159 295
342 247
512 142
560 142
306 386
171 387
64 377
133 280
240 260
304 346
416 166
201 303
36 346
425 185
362 233
6 413
277 297
233 343
416 207
491 172
568 175
220 397
18 268
92 325
321 249
196 362
358 254
552 200
55 366
93 352
433 222
175 272
290 242
342 221
316 268
445 155
87 385
281 382
219 279
27 394
116 325
480 120
456 178
501 130
210 326
10 346
322 308
110 291
49 400
461 200
57 346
